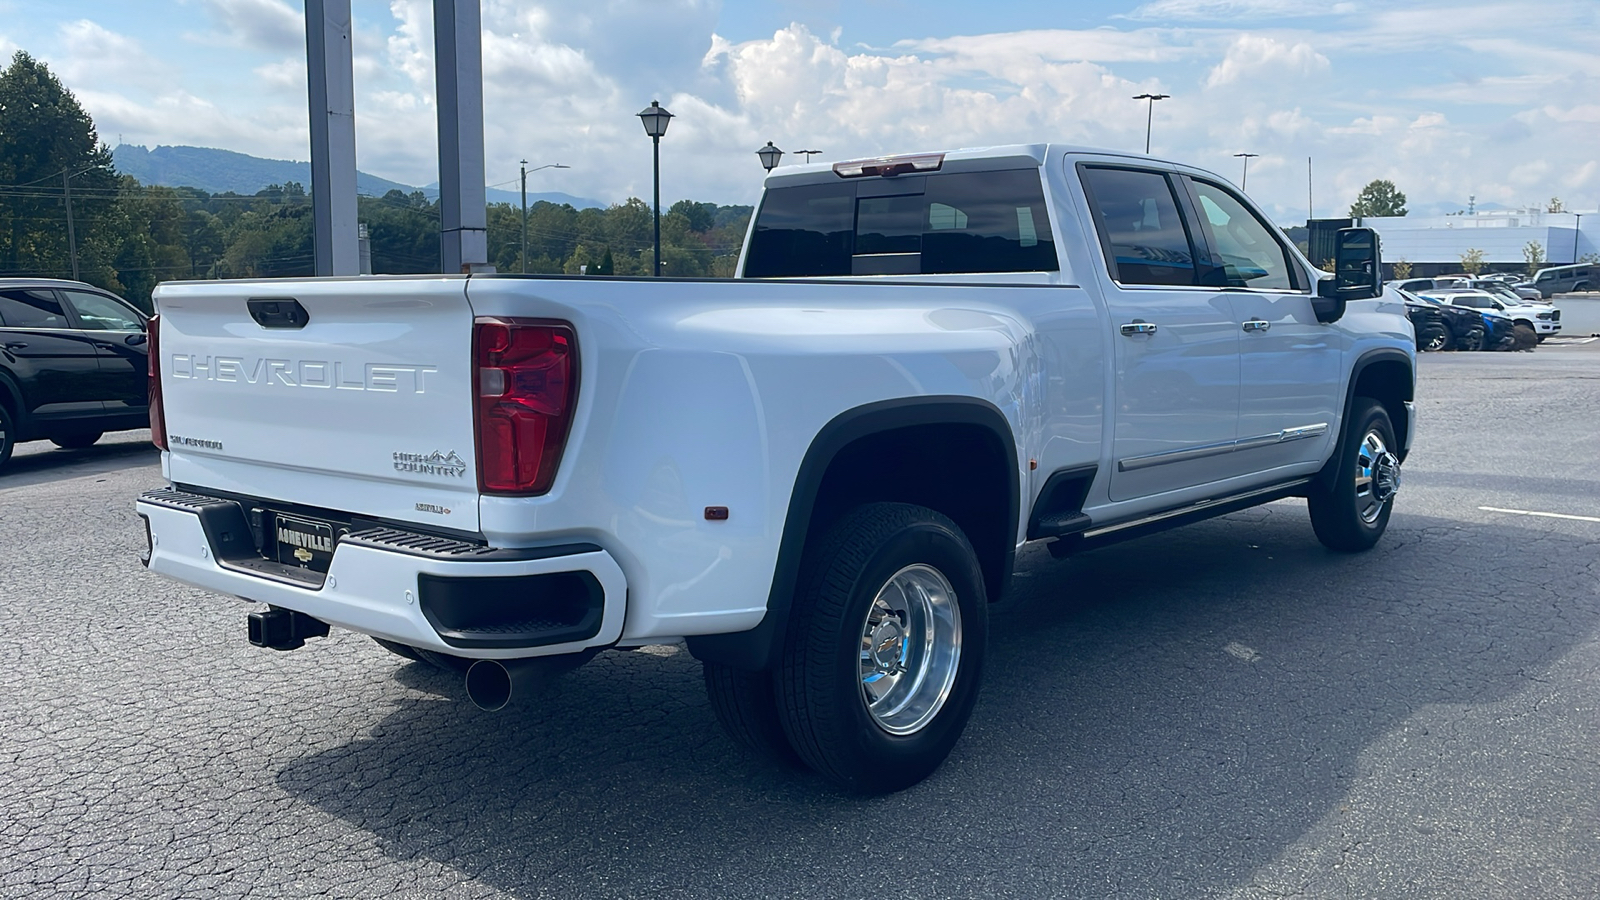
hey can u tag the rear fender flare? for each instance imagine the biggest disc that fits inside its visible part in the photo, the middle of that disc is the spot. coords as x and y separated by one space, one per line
757 648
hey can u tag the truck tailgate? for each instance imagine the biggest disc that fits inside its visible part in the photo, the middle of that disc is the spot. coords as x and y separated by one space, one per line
366 408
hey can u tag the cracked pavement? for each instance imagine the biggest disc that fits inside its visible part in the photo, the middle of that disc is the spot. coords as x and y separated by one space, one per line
1225 710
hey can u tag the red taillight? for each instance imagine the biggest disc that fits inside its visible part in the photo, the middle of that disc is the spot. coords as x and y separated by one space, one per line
526 383
158 418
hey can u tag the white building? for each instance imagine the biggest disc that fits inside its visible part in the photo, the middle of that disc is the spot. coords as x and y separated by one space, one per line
1432 241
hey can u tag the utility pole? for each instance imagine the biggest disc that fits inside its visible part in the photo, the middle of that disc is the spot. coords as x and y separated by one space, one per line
523 259
72 236
525 171
1310 212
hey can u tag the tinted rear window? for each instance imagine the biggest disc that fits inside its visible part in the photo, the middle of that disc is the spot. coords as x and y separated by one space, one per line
960 223
22 308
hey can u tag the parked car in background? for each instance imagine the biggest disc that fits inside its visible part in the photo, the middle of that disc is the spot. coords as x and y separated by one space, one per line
1564 279
1520 284
1446 282
1542 321
1509 291
73 364
1442 326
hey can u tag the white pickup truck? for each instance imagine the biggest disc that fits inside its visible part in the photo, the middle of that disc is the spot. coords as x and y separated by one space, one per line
815 475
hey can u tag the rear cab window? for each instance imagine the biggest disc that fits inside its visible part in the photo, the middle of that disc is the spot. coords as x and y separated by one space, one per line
952 223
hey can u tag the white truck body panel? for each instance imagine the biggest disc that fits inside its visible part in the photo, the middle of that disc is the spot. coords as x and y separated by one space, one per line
697 394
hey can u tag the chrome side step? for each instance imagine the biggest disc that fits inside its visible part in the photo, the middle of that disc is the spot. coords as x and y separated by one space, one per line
1172 518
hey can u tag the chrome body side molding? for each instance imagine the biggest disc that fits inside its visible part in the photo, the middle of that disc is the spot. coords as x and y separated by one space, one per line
1297 433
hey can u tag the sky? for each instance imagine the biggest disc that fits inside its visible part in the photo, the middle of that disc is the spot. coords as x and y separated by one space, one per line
1450 100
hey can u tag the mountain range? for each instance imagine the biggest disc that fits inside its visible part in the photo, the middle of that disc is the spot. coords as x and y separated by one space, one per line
217 171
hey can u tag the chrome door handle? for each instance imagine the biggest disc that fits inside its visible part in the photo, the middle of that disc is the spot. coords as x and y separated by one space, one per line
1257 325
1138 327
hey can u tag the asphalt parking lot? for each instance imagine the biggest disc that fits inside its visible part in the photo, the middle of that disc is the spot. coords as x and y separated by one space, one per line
1226 710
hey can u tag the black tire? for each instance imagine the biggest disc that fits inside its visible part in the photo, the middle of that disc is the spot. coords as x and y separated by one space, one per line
1353 511
8 435
846 584
1433 338
77 441
1540 337
746 704
1526 337
1472 340
398 649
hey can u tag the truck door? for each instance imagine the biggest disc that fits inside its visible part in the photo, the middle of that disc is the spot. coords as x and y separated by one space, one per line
1176 356
1290 386
118 336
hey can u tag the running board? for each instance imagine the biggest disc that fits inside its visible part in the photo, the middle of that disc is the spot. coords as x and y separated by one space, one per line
1172 518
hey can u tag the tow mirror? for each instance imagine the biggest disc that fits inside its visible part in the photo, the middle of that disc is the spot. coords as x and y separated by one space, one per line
1357 273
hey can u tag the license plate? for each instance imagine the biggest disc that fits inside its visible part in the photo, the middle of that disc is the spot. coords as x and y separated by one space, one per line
306 543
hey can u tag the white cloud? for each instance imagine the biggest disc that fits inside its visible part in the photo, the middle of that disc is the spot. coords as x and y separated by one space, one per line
1224 10
1260 56
261 24
96 57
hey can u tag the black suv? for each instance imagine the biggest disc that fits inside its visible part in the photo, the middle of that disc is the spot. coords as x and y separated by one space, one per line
73 364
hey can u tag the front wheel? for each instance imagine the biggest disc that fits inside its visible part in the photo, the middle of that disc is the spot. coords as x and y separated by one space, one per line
1351 514
1433 338
1473 339
885 648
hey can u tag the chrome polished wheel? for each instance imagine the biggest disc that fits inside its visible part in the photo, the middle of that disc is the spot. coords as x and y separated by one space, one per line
1436 341
1377 476
910 649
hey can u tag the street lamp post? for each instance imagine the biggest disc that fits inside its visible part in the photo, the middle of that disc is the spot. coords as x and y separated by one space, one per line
808 153
769 156
655 118
1149 115
1577 229
525 171
1245 178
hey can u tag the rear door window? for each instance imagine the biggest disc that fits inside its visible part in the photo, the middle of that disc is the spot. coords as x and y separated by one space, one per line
970 222
20 308
1144 238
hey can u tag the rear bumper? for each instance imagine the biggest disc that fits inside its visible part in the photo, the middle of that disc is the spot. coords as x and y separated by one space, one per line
411 589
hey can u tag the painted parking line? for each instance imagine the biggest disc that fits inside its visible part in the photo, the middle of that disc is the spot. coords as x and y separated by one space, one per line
1545 515
1569 341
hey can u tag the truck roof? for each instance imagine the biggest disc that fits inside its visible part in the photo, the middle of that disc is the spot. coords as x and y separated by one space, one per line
966 159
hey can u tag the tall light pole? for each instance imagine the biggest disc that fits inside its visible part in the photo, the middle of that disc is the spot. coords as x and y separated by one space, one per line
1577 229
656 118
769 156
1245 178
525 171
1149 115
808 153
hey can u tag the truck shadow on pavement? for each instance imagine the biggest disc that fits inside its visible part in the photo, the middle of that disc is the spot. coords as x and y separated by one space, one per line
1161 718
43 466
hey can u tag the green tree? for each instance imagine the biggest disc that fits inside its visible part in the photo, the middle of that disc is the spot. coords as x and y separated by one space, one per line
1555 205
46 140
1472 261
1402 270
1379 198
1533 255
